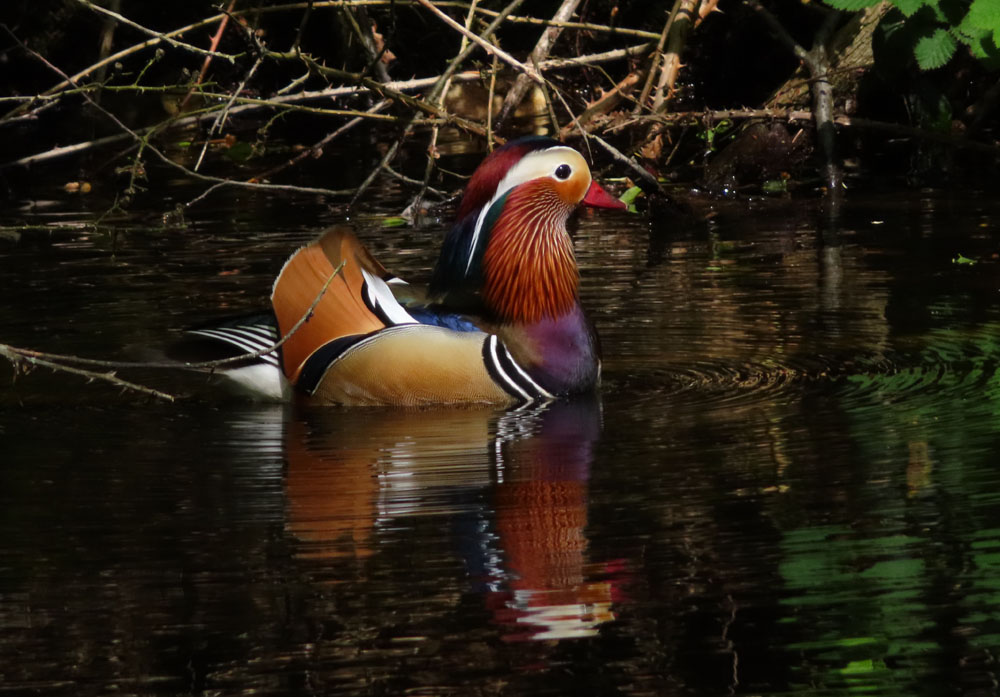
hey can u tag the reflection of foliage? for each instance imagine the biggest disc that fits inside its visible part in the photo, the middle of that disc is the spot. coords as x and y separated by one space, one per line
830 568
863 590
933 29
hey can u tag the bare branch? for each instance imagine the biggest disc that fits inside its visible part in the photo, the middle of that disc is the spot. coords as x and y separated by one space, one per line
66 363
150 32
485 45
541 51
18 356
683 21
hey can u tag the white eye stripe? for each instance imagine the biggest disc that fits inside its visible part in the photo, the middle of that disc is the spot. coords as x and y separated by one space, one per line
534 165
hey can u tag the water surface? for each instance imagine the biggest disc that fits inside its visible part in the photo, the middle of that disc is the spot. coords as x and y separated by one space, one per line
787 483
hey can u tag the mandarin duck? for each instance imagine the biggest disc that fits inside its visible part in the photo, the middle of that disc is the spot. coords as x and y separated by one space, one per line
501 322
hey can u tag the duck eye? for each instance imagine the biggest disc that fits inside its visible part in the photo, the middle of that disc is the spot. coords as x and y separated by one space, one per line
563 172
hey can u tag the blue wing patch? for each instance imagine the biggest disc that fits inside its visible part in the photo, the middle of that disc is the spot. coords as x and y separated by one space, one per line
448 320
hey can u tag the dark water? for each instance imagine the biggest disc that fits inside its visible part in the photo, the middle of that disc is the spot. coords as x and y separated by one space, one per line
789 483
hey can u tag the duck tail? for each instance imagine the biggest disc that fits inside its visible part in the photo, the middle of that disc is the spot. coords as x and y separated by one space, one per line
356 302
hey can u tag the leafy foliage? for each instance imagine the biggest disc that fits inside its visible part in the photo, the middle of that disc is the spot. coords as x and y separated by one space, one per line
935 50
936 28
851 5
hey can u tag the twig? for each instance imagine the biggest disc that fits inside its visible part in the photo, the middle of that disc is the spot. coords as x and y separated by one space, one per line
18 356
167 37
636 168
540 52
682 21
144 141
485 45
321 144
655 60
817 62
208 59
424 105
698 117
415 182
594 58
435 93
549 108
302 26
585 26
432 146
73 80
489 103
58 362
150 32
220 120
366 37
290 100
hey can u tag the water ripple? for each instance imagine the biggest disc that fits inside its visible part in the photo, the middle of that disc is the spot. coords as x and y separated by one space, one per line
874 380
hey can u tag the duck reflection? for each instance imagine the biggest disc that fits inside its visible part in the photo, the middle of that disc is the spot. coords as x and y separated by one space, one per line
354 473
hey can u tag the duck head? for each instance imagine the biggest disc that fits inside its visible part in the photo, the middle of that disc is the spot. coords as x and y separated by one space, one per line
510 245
486 181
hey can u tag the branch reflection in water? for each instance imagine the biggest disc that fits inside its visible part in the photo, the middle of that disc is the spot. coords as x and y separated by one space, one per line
512 486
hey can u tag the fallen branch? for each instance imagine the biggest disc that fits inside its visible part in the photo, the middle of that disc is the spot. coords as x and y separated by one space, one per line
66 363
698 118
18 356
440 96
318 147
158 35
681 23
817 60
208 59
638 170
289 101
485 45
436 93
606 102
541 51
654 61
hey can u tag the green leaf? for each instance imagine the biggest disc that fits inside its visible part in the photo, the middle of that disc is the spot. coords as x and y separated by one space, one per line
851 5
629 197
935 50
910 7
984 14
983 18
239 151
394 222
980 46
959 259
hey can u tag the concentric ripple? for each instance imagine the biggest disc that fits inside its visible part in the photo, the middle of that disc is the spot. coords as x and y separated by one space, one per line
857 381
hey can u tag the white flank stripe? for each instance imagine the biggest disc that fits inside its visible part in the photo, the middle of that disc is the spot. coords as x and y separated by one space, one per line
499 368
541 390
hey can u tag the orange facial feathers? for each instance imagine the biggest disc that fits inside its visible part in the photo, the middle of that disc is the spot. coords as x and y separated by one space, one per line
529 269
